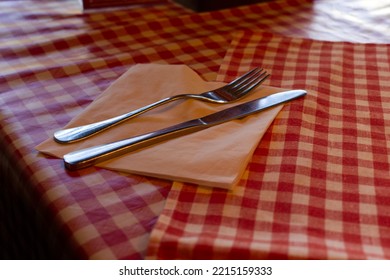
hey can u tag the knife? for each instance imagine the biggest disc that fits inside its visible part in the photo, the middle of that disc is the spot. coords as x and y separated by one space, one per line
90 156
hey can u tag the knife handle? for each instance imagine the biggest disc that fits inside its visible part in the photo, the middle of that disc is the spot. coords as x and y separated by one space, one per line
90 156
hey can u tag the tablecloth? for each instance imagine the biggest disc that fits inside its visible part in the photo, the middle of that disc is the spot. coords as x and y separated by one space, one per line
56 58
317 185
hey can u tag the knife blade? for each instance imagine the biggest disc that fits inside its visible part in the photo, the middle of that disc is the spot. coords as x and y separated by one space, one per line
90 156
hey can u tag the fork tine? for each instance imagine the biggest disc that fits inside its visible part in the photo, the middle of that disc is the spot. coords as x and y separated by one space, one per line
238 81
250 84
249 80
260 80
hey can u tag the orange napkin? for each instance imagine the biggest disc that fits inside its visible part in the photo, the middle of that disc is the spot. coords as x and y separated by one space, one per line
214 157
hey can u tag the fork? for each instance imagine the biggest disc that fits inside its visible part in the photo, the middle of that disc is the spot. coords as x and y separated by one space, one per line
226 94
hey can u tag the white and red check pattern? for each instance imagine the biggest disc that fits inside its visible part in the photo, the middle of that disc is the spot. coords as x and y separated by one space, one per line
55 60
90 4
317 185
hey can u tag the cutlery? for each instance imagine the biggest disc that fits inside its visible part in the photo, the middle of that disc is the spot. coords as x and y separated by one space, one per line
226 94
90 156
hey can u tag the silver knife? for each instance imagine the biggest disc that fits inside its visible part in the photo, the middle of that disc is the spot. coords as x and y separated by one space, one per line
90 156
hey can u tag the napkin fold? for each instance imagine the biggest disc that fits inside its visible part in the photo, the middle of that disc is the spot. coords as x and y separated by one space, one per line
215 157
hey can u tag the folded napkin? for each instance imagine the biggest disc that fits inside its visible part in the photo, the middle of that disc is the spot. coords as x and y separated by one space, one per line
214 157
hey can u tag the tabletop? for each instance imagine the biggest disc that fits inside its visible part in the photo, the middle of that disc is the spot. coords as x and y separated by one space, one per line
316 186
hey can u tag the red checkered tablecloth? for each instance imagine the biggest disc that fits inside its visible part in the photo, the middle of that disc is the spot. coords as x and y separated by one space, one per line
56 59
317 185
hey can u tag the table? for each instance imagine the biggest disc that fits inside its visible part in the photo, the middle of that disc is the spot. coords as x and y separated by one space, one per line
56 59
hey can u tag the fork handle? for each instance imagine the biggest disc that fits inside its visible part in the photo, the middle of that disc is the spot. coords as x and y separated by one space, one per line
74 134
90 156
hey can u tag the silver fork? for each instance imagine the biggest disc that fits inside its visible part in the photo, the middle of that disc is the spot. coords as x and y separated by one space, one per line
226 94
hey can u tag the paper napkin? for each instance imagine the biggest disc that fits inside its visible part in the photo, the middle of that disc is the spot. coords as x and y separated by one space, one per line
214 157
